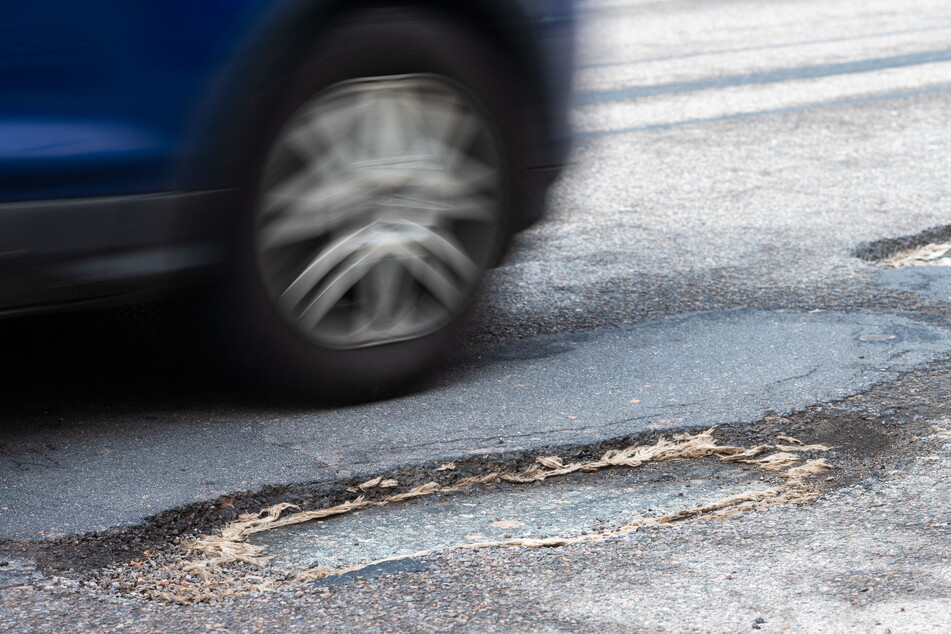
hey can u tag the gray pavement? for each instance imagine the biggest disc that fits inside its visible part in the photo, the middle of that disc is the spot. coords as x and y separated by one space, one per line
873 557
734 156
694 370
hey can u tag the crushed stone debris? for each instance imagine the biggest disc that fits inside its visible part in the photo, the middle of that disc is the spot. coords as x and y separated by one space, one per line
224 565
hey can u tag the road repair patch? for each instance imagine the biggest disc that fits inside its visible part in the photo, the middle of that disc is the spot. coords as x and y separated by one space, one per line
550 503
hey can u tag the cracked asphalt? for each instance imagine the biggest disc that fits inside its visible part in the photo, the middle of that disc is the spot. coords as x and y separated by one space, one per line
699 268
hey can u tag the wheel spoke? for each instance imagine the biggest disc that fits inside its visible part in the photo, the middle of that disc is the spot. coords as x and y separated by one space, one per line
311 212
320 267
333 290
381 293
435 279
451 254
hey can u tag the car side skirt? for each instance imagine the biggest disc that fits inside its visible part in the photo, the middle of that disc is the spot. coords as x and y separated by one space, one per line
99 250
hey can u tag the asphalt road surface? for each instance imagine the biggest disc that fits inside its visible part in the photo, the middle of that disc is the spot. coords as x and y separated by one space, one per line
710 259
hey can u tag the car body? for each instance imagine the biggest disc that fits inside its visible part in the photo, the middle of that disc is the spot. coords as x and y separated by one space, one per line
129 131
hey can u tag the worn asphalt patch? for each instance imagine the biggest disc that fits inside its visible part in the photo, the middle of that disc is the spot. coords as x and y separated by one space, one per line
694 370
576 505
225 564
865 558
873 431
931 282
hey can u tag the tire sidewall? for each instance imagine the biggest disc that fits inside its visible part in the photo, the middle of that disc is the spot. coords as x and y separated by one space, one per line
371 44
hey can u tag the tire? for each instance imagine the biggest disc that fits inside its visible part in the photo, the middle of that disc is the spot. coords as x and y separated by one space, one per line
381 195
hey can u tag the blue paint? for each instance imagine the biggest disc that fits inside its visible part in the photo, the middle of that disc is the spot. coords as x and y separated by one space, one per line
96 97
112 97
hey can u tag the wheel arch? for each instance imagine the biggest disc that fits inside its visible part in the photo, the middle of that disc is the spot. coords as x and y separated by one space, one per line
255 76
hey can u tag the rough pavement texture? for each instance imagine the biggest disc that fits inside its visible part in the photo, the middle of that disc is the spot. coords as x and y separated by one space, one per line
873 557
701 370
764 211
562 507
738 154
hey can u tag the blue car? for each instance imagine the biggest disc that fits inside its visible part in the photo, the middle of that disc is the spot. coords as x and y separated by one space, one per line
333 176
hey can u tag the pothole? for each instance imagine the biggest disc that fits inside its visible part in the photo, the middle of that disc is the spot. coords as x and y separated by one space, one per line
551 503
915 264
901 251
576 505
932 254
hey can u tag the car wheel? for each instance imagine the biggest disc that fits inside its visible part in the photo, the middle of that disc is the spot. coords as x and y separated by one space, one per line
380 201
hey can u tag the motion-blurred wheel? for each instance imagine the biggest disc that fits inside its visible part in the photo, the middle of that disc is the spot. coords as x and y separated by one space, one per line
381 200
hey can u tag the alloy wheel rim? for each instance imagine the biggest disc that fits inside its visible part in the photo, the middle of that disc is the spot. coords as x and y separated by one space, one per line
380 207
